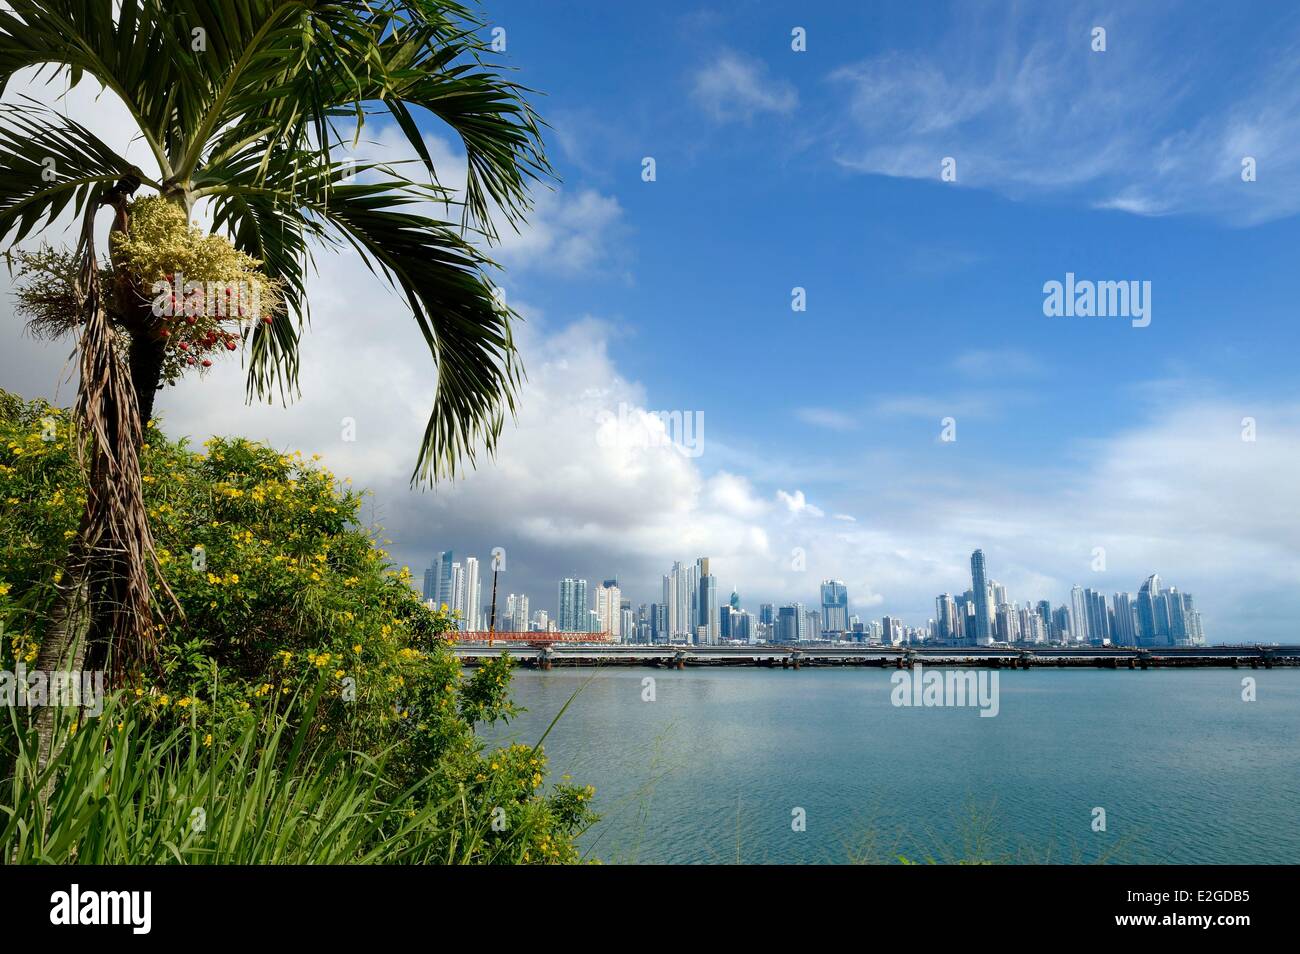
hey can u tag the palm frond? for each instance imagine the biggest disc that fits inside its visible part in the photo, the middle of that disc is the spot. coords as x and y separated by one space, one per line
48 161
442 277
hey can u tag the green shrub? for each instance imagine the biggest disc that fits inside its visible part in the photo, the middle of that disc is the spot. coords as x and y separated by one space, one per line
278 583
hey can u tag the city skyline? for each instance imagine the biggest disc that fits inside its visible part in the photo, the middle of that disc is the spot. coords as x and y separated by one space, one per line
689 611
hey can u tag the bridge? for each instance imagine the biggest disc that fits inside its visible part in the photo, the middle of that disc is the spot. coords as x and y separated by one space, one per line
519 638
543 651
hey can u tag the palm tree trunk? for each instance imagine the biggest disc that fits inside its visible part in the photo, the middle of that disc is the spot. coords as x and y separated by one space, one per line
146 360
102 603
62 649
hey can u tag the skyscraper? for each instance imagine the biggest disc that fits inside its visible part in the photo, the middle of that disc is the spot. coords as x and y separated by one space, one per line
472 621
572 617
454 596
669 605
787 625
437 579
1148 594
835 607
708 609
948 628
518 617
679 613
1098 615
1124 630
1078 615
1061 624
980 587
609 609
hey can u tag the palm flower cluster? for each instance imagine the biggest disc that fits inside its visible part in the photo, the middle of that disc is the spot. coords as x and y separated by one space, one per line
203 293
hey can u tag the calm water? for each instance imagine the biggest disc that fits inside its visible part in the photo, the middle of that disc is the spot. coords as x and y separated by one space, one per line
711 770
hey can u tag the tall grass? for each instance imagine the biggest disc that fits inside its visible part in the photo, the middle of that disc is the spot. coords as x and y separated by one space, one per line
255 790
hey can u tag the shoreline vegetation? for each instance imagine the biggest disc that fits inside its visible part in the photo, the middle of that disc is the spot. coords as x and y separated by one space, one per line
306 707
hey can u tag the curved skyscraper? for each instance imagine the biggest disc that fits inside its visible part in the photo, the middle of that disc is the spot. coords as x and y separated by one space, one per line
1148 617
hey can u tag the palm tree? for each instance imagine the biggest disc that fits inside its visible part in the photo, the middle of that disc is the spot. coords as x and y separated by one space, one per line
247 104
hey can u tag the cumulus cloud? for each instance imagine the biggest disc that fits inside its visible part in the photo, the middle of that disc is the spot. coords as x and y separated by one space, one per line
798 504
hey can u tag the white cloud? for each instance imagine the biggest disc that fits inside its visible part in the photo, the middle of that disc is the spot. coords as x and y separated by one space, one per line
997 363
827 418
798 504
1024 106
568 232
736 87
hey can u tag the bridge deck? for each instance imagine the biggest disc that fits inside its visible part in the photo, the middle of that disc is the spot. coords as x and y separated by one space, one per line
566 653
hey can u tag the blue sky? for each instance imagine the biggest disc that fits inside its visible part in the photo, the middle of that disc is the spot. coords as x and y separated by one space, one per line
820 169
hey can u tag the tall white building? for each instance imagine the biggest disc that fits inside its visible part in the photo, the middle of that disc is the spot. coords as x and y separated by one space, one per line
472 608
1078 615
455 599
670 601
609 600
679 619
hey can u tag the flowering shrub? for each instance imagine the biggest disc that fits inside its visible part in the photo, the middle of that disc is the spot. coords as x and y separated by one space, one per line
280 588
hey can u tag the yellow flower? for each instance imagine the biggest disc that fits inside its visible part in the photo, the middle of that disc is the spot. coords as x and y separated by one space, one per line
207 739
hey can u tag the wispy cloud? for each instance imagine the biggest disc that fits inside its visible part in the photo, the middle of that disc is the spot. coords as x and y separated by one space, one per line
1025 106
736 87
827 417
937 407
998 363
